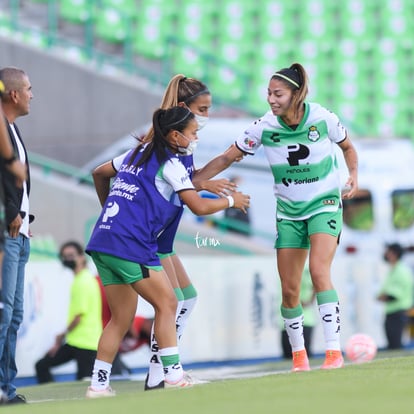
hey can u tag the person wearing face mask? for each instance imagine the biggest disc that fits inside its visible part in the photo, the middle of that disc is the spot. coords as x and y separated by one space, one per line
194 95
79 340
148 193
397 295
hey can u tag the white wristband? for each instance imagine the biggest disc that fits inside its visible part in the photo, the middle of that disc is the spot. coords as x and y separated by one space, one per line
231 201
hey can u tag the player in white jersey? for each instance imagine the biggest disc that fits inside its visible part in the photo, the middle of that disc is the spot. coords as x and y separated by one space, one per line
298 138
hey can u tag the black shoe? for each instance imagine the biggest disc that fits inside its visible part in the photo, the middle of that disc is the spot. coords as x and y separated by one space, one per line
155 387
17 399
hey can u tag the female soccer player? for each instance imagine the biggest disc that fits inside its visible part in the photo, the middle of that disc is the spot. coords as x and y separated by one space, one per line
194 95
148 192
298 138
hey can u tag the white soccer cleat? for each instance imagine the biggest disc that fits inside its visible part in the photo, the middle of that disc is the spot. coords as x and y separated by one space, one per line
194 380
185 382
107 392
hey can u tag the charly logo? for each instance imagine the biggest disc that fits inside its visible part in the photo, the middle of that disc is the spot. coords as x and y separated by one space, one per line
332 224
313 133
111 211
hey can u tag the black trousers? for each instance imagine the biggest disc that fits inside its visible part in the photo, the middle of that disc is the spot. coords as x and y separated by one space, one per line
84 358
395 324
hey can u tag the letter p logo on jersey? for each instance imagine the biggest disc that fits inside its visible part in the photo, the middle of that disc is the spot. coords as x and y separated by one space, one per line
111 211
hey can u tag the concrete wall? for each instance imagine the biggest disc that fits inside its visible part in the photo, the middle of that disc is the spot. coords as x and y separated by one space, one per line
76 112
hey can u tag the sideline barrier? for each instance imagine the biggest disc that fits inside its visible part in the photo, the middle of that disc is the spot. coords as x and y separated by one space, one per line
237 316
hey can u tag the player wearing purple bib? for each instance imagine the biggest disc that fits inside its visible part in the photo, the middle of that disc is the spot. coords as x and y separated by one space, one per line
194 95
147 194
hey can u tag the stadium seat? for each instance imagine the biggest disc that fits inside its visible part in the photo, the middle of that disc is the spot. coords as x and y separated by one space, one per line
196 24
153 26
257 96
127 7
229 85
76 11
318 22
275 19
188 60
112 25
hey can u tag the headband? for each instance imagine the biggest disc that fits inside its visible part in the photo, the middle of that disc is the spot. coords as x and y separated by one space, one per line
287 79
181 120
202 92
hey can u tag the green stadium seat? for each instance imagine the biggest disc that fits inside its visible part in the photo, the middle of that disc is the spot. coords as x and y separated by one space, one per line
196 11
188 61
257 100
196 24
318 21
275 22
234 54
153 26
229 85
359 20
112 26
76 11
196 34
127 7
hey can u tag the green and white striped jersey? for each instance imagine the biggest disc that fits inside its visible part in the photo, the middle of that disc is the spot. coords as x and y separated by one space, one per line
303 161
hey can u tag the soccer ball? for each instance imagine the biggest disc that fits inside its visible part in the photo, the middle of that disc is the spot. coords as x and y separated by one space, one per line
360 348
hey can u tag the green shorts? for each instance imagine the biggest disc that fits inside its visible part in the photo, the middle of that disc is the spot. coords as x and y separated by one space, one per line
295 233
164 255
116 271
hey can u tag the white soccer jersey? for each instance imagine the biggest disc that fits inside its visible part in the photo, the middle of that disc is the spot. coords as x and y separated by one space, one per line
303 162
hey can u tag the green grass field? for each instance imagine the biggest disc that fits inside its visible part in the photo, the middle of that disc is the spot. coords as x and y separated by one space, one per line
382 386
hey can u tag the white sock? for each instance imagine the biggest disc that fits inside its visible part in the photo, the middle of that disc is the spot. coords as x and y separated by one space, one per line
329 313
180 304
173 370
294 329
155 371
100 375
185 312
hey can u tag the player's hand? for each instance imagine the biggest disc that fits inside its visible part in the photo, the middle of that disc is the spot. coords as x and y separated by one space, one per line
241 201
221 187
351 188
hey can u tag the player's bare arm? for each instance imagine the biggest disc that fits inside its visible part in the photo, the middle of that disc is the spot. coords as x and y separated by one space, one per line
102 179
351 160
220 163
221 186
202 206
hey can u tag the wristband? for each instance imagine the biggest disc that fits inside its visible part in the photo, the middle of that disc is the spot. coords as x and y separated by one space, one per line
231 201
